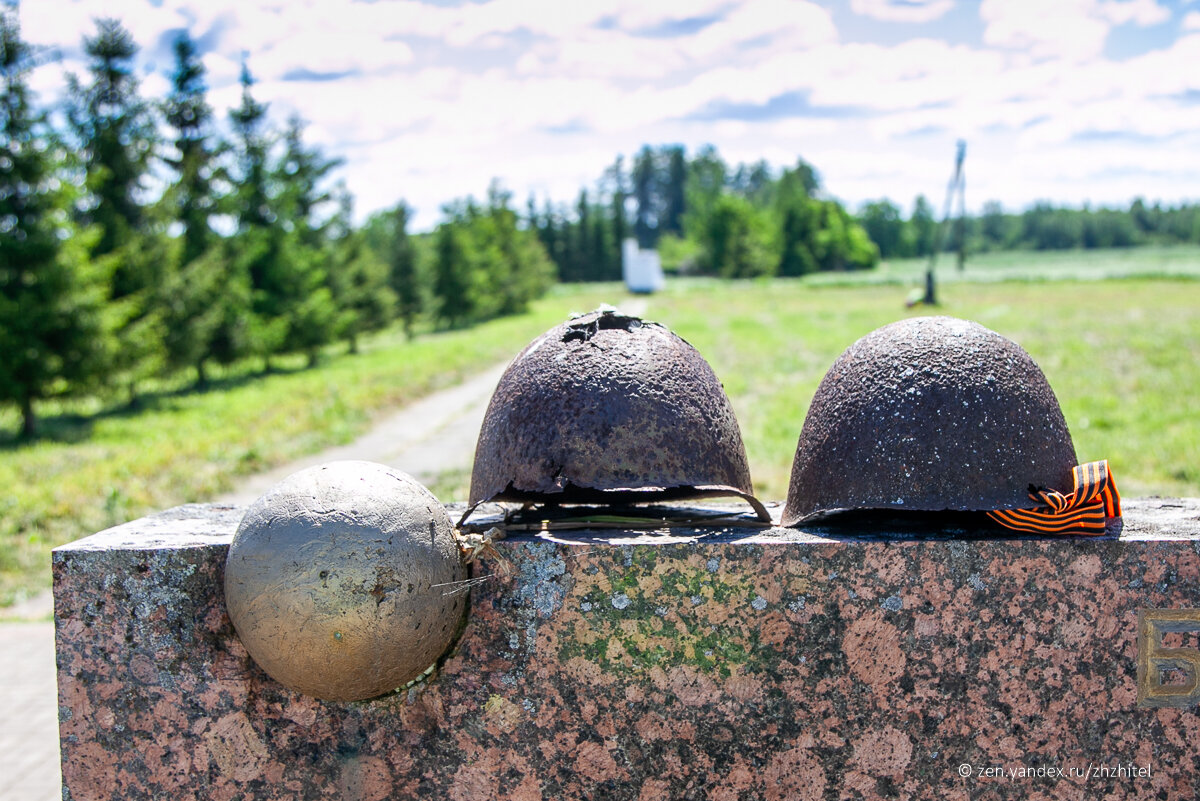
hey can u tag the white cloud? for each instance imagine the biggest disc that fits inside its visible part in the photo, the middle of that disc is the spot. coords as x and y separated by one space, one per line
437 100
902 10
1075 30
1069 29
1138 12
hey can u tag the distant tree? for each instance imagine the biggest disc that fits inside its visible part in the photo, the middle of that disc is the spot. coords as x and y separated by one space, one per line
754 182
585 268
191 196
301 176
619 220
645 191
705 184
357 277
674 191
841 243
455 302
51 329
924 227
882 221
115 132
258 245
550 234
993 226
737 240
306 291
403 277
205 304
484 264
523 271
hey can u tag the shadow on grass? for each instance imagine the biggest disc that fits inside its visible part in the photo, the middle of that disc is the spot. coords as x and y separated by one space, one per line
73 427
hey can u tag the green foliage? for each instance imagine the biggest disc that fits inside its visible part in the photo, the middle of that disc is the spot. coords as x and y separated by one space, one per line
484 265
51 296
924 227
116 136
206 308
358 279
403 275
190 198
1042 226
736 240
885 226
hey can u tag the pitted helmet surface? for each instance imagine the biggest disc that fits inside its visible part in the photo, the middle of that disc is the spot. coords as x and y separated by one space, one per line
336 580
930 414
606 404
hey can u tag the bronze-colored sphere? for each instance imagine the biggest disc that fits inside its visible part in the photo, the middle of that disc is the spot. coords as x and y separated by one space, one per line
339 580
929 414
607 408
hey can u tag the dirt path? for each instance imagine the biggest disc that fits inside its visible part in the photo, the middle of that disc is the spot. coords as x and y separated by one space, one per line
430 436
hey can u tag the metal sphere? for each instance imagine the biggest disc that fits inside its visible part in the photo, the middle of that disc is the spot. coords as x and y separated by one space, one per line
930 414
338 580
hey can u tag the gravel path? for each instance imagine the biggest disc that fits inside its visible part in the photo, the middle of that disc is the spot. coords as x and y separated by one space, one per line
430 436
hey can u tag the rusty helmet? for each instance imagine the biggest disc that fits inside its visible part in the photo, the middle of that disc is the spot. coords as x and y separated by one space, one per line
336 580
929 414
608 408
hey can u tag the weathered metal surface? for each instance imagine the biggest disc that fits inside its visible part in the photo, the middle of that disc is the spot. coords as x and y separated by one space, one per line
336 580
608 407
929 413
689 664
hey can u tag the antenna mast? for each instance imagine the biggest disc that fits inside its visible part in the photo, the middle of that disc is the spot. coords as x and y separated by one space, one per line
957 186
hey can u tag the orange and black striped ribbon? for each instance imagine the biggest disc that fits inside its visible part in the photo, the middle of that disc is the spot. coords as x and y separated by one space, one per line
1084 511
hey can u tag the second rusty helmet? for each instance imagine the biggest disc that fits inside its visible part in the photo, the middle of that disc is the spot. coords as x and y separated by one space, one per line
929 414
606 408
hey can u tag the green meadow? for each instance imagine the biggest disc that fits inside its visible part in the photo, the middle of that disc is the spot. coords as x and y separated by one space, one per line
1116 332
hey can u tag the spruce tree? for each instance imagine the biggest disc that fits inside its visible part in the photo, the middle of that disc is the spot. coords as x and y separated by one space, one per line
191 196
306 299
51 333
674 191
358 278
620 222
258 245
453 299
402 270
114 131
206 297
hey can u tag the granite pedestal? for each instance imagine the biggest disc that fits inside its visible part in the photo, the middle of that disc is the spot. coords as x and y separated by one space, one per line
892 661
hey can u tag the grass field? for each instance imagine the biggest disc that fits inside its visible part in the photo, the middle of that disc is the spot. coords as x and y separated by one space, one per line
1120 353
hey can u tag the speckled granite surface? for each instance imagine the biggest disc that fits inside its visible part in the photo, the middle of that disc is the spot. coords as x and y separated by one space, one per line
749 665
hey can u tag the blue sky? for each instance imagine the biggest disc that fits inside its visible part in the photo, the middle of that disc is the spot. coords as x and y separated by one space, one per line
1071 101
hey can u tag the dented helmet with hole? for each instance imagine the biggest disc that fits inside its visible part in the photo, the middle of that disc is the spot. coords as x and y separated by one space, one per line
339 580
607 408
929 414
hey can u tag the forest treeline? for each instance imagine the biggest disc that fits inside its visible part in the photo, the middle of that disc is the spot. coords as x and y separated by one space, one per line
146 238
1042 226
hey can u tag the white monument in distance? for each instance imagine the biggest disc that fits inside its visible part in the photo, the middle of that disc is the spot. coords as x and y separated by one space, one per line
641 269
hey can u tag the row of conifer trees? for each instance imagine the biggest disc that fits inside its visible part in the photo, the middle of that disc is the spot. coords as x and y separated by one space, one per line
145 238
